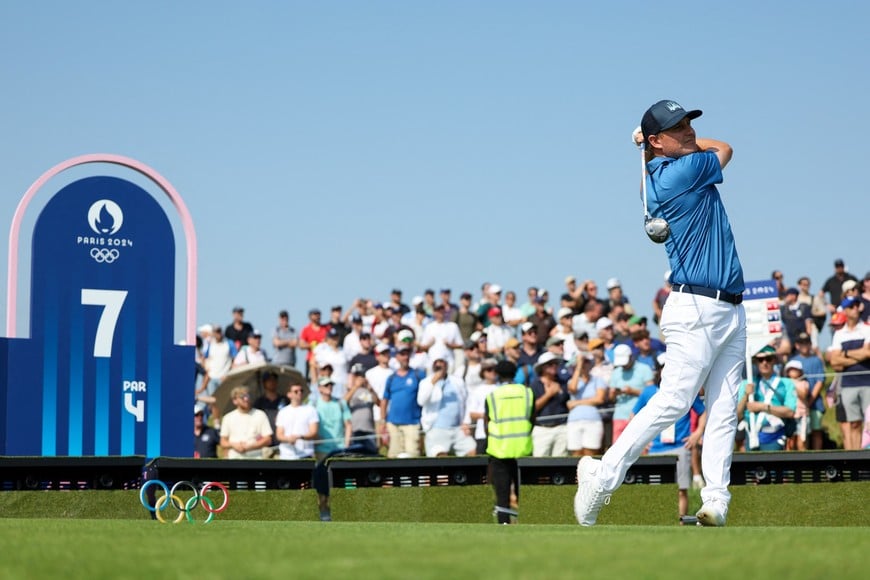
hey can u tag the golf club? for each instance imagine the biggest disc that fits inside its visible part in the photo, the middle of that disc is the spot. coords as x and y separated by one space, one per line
657 229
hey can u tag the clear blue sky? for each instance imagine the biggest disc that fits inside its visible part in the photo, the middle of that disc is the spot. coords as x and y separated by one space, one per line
329 150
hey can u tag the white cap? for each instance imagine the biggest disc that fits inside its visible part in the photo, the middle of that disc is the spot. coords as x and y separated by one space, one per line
849 285
613 283
494 288
621 355
603 323
404 335
546 358
564 312
526 326
417 300
794 364
382 347
205 329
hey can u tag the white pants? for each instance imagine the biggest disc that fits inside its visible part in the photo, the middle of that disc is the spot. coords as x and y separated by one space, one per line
706 340
550 441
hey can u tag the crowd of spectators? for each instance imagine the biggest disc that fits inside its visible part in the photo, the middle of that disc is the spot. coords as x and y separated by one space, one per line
410 379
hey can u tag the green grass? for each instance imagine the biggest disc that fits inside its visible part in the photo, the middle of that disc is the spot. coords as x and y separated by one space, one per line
819 504
71 548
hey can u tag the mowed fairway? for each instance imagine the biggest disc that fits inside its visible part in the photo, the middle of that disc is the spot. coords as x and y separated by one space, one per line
44 548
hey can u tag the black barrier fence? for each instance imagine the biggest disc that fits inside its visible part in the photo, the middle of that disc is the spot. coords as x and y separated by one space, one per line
80 473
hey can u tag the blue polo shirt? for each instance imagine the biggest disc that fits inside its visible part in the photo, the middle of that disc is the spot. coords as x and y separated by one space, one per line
701 247
401 392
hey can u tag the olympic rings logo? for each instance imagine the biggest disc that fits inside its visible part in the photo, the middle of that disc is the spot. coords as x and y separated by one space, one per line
184 508
101 255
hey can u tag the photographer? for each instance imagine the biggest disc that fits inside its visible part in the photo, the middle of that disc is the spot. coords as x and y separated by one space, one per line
443 399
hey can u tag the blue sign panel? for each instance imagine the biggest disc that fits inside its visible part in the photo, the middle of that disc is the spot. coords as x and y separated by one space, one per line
100 374
760 289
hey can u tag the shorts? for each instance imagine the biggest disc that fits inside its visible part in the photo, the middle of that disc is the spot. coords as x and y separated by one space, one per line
684 466
816 420
585 434
855 401
549 441
801 427
404 440
619 426
441 441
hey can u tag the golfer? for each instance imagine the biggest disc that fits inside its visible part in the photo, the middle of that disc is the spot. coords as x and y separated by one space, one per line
703 320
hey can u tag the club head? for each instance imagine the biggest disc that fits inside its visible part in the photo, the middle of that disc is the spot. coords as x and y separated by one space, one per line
657 229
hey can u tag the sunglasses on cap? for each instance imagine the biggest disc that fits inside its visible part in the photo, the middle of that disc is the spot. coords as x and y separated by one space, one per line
762 359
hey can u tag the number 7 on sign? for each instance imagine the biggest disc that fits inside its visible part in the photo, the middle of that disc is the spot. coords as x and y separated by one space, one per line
112 301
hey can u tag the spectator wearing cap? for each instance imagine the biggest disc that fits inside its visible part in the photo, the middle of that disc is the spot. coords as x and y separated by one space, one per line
443 399
556 346
351 344
491 302
399 407
850 355
377 377
543 321
604 328
465 318
550 435
333 435
251 353
833 286
850 290
510 313
814 371
365 355
576 294
396 301
585 427
616 296
284 341
627 381
593 311
362 400
329 352
474 354
238 330
565 331
441 338
476 406
417 320
339 321
796 316
497 333
270 401
797 440
621 330
765 403
512 350
205 439
313 334
450 308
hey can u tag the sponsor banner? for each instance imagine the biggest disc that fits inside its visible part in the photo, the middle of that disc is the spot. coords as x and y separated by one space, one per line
763 320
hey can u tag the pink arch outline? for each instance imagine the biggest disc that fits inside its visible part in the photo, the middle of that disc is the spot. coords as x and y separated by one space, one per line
187 223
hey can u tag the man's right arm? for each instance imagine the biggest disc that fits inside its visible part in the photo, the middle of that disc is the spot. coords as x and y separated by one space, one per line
722 150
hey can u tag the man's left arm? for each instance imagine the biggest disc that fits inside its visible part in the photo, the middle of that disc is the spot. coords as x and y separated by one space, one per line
722 149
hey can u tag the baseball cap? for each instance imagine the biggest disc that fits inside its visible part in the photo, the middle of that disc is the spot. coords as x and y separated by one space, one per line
444 291
570 279
205 328
563 312
766 350
637 320
325 381
511 343
527 326
603 323
238 309
802 337
465 296
867 276
849 301
356 318
555 340
197 410
358 369
595 343
476 335
332 332
849 285
365 335
325 364
613 283
838 319
494 312
256 333
494 289
621 355
838 263
663 115
382 347
794 291
794 364
284 314
405 335
314 311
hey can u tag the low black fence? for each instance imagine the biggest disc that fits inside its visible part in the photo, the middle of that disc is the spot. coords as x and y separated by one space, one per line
96 473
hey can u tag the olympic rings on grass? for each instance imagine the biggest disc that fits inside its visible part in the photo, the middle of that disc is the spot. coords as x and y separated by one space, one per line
184 507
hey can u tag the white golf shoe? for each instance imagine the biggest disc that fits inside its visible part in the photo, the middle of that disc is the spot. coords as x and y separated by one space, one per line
713 513
590 496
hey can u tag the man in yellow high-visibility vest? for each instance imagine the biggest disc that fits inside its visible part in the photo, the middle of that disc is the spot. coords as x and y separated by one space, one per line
508 420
